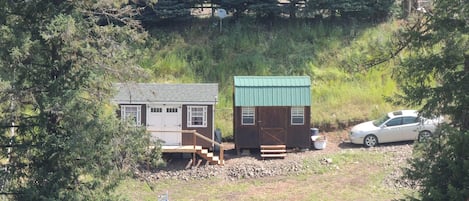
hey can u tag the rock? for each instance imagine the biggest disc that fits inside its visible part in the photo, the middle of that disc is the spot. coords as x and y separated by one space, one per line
250 167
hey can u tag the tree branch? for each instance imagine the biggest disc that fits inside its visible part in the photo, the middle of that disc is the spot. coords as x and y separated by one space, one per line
402 44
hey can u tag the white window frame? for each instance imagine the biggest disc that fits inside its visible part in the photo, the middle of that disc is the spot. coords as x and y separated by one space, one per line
248 112
125 113
156 110
193 114
297 113
172 110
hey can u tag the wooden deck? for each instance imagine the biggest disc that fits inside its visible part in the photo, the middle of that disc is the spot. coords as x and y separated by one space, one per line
180 149
195 149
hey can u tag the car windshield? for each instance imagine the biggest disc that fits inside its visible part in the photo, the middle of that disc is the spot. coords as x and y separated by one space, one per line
381 120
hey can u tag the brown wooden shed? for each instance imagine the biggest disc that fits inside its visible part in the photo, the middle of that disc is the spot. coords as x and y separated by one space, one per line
271 110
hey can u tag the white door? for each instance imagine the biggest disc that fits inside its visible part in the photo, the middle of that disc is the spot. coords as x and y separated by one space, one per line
165 123
410 128
390 132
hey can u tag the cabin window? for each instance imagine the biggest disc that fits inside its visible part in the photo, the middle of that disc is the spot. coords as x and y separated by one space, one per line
132 112
248 116
172 110
156 110
297 116
196 116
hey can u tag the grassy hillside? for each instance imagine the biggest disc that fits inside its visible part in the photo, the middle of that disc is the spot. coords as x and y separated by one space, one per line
331 52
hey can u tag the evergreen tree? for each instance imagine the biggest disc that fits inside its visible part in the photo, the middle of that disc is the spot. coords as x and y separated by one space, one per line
260 8
435 74
155 11
265 8
368 9
293 7
58 59
171 9
237 7
439 169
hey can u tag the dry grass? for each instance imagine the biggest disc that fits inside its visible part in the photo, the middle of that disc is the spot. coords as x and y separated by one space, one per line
354 175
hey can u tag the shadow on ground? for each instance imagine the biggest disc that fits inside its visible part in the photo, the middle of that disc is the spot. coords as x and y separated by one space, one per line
348 145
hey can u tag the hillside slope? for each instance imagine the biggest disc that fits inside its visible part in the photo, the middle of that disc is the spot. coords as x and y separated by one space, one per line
333 53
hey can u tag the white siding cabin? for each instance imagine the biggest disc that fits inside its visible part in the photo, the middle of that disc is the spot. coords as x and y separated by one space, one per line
176 114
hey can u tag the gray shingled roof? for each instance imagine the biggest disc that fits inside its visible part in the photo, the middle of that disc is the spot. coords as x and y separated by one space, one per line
164 93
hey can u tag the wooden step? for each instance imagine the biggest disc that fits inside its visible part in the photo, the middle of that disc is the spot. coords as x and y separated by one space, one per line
273 151
211 159
282 146
278 155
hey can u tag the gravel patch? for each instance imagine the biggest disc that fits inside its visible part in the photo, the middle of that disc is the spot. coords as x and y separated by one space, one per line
252 167
396 164
244 167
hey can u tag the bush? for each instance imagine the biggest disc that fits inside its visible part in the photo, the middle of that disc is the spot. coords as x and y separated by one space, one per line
440 167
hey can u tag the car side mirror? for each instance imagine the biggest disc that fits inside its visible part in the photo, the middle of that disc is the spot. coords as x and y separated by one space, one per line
383 126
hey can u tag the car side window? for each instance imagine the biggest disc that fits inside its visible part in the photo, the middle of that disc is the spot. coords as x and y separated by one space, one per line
394 122
410 120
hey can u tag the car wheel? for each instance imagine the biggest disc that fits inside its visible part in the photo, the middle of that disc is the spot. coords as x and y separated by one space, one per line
424 135
370 141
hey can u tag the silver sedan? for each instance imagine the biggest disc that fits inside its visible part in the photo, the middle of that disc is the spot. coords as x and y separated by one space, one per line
403 125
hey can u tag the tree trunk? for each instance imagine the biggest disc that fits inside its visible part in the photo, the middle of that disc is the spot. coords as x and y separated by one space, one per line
465 112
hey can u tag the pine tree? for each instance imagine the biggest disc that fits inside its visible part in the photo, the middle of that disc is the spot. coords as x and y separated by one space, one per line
365 9
57 62
155 11
265 8
435 74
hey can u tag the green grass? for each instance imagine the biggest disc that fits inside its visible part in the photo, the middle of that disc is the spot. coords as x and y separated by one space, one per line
352 175
339 98
333 53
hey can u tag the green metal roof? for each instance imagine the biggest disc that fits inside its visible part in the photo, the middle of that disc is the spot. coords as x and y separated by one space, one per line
272 91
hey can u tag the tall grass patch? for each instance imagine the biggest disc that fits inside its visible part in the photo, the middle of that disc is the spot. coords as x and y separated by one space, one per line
333 53
340 98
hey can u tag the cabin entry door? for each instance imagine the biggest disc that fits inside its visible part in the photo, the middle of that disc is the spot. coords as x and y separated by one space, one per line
272 125
165 123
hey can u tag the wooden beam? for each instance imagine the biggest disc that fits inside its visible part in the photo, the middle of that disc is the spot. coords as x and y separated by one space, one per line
180 149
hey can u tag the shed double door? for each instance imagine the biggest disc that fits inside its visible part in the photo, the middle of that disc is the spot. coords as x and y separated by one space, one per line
165 123
272 125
